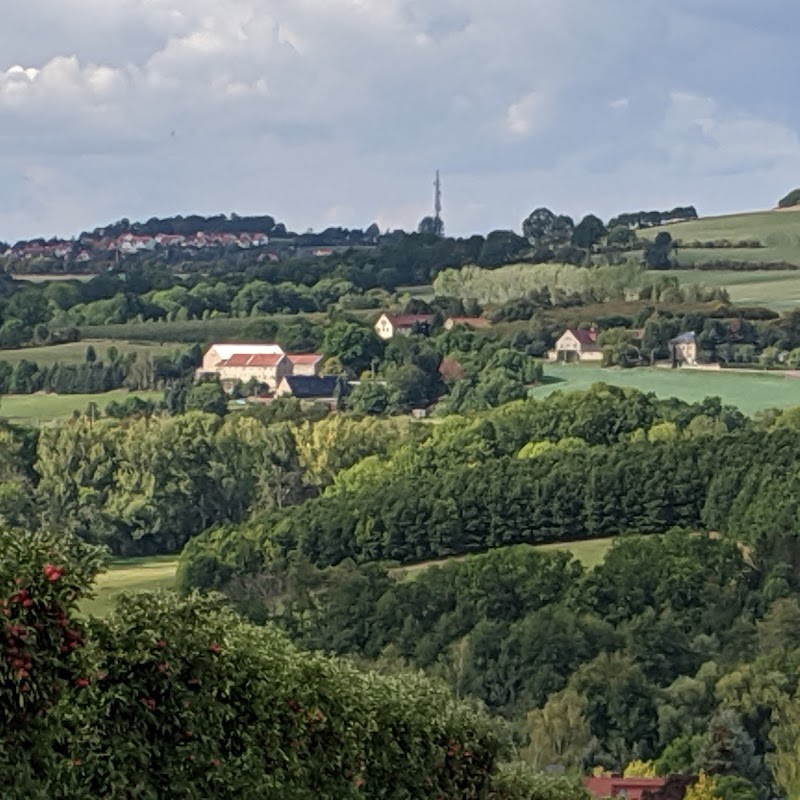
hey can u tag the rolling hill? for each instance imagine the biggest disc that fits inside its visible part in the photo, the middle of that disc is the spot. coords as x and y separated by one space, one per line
777 232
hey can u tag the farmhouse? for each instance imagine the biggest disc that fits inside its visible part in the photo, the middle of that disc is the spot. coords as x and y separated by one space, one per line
577 344
264 363
390 325
683 350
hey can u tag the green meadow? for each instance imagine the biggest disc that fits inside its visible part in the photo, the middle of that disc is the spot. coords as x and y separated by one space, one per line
748 391
41 408
75 352
130 575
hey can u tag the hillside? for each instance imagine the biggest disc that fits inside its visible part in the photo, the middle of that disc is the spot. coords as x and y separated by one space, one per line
777 232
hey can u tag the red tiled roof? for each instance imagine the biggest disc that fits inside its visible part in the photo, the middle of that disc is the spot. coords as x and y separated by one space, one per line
634 788
247 360
265 360
304 358
584 336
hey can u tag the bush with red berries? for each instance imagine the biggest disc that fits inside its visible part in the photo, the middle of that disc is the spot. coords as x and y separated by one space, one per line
42 656
180 698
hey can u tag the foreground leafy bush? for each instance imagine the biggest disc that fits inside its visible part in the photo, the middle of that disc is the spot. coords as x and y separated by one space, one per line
181 699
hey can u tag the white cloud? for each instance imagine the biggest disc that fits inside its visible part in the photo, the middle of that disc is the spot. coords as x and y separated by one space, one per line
307 108
705 138
528 115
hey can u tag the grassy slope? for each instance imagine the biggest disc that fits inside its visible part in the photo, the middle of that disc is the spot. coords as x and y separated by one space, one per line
778 231
590 552
747 391
135 574
75 352
36 409
779 290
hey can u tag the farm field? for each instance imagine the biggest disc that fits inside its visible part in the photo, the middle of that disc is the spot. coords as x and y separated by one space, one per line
749 392
75 352
590 552
41 408
776 289
129 575
778 231
45 278
191 331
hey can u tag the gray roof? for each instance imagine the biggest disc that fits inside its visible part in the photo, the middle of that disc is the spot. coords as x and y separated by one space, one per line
312 385
688 337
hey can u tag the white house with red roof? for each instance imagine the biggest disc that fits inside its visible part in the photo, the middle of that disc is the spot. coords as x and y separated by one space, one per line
577 344
390 325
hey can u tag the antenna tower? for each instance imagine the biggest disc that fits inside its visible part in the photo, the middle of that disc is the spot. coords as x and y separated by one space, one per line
437 205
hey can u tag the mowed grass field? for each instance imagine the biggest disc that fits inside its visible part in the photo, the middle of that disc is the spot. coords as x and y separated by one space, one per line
590 552
776 289
749 392
75 352
41 408
778 232
130 575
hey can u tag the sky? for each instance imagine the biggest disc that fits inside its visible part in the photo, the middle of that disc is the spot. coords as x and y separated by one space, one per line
338 112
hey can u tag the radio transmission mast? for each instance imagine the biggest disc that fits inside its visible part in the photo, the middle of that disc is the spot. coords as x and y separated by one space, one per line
437 206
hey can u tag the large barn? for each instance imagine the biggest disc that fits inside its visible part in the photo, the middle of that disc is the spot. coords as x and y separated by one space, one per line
265 363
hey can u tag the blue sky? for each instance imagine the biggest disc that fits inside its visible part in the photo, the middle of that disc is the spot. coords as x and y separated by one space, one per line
328 112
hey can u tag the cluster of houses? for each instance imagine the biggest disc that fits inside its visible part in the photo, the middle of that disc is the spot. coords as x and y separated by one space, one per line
298 374
87 248
581 344
390 325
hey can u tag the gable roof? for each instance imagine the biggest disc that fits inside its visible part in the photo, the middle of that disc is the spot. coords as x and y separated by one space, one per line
585 337
311 385
304 358
255 360
687 337
227 350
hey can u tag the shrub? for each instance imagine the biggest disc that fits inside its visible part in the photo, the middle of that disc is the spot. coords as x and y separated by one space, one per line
180 698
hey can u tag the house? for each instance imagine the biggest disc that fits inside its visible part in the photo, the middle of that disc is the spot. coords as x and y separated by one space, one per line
305 363
467 322
265 363
577 344
390 325
629 788
683 350
308 387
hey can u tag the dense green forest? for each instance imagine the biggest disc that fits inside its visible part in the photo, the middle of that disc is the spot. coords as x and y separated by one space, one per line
679 650
676 655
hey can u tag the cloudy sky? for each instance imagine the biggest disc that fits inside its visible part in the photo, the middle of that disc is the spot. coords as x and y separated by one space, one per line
328 112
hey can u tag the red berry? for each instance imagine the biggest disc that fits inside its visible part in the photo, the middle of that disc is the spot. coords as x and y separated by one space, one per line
215 648
82 682
215 762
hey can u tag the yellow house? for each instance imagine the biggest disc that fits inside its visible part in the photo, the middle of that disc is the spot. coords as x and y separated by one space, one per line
577 344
